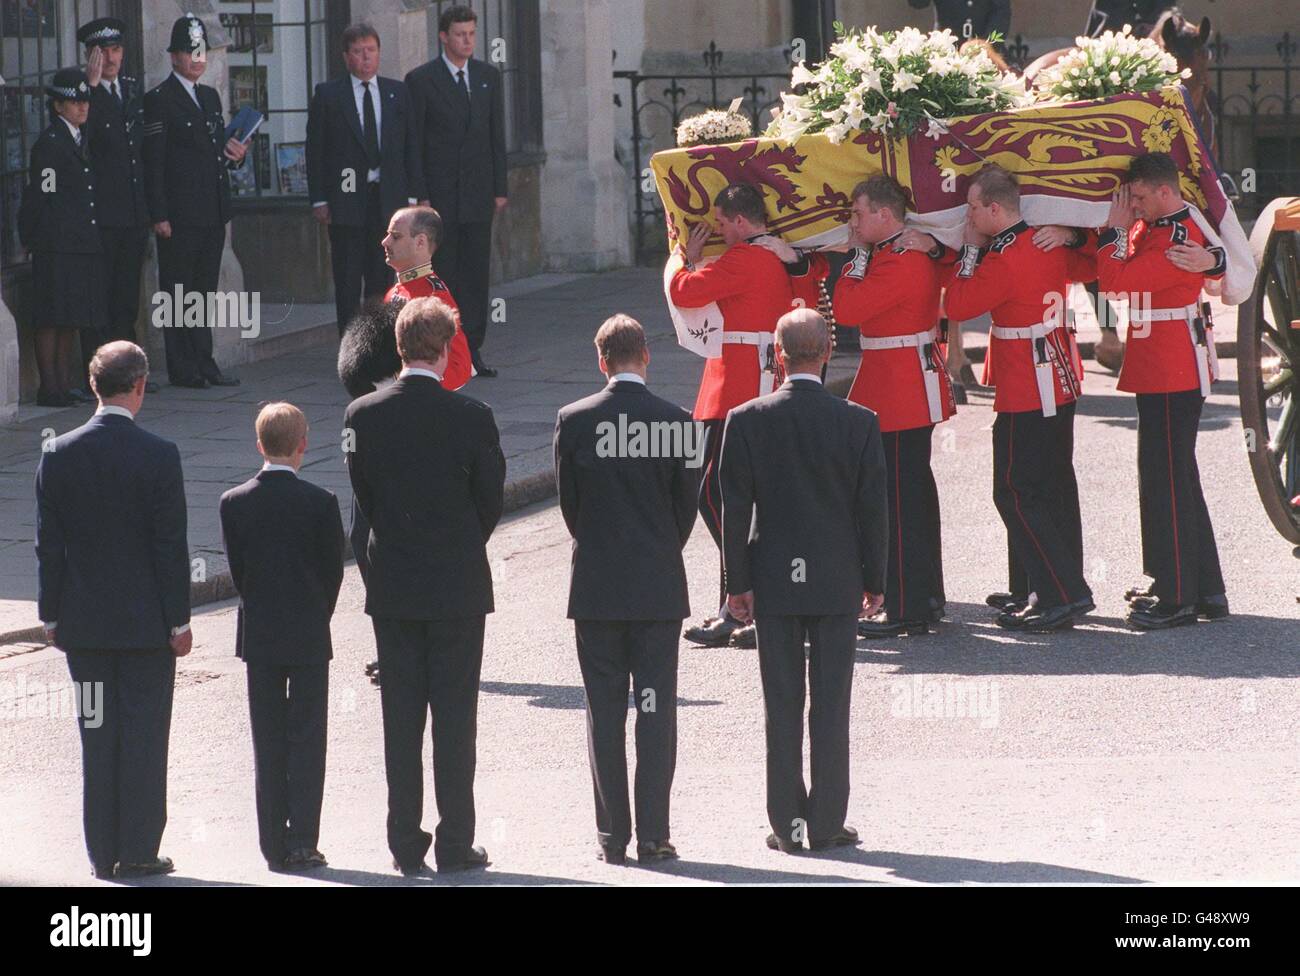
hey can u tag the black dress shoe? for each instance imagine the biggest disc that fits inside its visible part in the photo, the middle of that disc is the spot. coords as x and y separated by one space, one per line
475 857
102 873
784 846
1140 590
745 637
882 626
845 838
649 851
222 380
198 383
714 632
611 855
1211 608
938 610
1043 621
159 865
1000 601
483 369
305 859
418 870
54 399
1012 615
1162 616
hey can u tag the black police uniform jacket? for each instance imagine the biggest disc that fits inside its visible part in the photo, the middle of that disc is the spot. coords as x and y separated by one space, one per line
187 180
57 214
116 134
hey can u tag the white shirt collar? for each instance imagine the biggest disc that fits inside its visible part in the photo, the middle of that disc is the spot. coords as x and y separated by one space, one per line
185 82
74 129
357 83
805 376
115 410
410 371
452 67
268 466
627 377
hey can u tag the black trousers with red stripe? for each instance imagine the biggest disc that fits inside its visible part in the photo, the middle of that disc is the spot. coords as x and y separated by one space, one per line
710 502
1035 492
915 572
1178 547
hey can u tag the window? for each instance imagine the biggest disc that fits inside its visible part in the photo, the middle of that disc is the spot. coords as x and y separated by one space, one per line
37 37
509 38
279 51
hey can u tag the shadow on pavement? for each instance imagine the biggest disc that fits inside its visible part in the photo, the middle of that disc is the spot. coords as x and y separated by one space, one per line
734 874
562 696
934 869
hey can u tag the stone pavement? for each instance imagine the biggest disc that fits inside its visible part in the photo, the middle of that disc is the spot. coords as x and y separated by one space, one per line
543 349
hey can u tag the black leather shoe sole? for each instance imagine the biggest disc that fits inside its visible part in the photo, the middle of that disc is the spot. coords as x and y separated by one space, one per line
1054 618
845 838
411 870
652 852
612 855
775 843
1215 609
477 858
716 633
892 628
162 865
1000 601
1151 620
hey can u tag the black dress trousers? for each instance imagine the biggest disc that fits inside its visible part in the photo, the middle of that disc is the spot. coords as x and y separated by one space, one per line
710 503
124 751
464 261
796 812
1037 497
1178 547
191 258
915 574
124 250
357 259
288 709
430 669
610 654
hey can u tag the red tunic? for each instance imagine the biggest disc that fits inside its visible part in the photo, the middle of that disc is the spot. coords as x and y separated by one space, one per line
1159 357
752 288
885 292
1021 285
459 365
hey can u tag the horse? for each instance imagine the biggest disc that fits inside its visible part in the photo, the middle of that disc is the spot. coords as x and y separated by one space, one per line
1190 46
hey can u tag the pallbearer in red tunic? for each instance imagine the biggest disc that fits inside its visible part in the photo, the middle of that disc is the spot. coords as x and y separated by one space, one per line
751 287
1153 253
1022 277
891 295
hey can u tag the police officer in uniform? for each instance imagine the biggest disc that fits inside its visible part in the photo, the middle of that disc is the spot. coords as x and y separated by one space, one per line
115 132
1022 277
57 224
1153 246
186 157
752 289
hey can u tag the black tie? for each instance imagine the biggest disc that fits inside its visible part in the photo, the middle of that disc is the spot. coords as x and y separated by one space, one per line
371 127
116 93
464 88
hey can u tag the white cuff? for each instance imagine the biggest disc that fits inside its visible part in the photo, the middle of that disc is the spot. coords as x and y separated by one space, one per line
177 631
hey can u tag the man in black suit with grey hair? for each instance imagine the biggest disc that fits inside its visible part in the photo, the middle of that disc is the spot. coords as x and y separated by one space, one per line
630 513
114 596
804 523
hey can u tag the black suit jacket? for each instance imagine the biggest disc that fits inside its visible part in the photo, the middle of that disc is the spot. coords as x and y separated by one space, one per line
429 476
335 143
187 179
804 509
284 543
113 563
629 517
116 134
464 157
57 215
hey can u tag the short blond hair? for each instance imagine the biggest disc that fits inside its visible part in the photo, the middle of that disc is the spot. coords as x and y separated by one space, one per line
424 329
620 341
280 428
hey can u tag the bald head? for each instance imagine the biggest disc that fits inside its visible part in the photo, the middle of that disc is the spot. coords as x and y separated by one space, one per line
803 340
116 370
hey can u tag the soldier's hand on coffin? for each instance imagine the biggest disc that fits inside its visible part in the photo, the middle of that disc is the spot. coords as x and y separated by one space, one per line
163 229
741 606
95 66
1121 209
916 240
1051 236
235 150
695 241
871 603
1190 257
780 248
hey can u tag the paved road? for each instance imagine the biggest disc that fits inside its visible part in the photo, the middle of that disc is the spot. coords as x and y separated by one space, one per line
1097 756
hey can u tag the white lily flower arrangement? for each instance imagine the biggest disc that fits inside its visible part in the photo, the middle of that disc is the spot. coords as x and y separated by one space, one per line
713 127
1115 63
894 83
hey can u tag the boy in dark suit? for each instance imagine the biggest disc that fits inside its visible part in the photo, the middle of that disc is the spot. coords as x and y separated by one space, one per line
284 542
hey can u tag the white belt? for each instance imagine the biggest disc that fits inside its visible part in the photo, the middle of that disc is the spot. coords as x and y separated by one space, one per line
1207 358
1044 367
767 366
922 342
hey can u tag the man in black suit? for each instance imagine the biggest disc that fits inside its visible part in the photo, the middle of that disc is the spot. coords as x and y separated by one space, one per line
284 542
429 476
460 115
804 523
187 185
630 512
363 164
115 131
114 596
